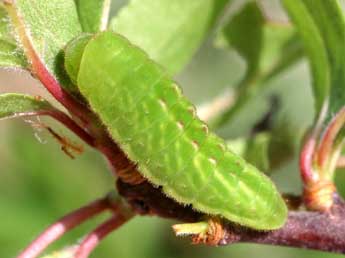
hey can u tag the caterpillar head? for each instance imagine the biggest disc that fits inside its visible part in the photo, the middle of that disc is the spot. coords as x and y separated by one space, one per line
73 55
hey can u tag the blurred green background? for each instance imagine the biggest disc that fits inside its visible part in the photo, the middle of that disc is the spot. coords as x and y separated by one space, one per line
39 183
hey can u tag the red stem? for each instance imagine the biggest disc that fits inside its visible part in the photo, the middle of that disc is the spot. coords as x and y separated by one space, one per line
58 92
94 238
307 155
306 161
74 127
62 226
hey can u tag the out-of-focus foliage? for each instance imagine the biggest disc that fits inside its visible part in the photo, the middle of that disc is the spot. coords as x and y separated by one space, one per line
39 184
169 31
267 47
321 25
93 15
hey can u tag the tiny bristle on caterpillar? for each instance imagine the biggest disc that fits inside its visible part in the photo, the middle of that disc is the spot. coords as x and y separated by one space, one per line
157 127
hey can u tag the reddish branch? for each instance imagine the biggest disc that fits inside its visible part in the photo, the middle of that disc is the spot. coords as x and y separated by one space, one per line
65 224
306 160
94 238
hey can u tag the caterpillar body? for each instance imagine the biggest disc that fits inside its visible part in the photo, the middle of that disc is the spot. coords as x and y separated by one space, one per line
146 113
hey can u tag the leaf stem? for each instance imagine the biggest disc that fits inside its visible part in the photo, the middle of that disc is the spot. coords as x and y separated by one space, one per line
66 121
308 174
63 225
307 155
318 188
93 239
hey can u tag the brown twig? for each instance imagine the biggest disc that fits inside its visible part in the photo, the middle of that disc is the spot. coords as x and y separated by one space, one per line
303 229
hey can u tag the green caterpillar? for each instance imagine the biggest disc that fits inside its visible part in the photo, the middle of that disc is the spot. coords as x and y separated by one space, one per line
157 127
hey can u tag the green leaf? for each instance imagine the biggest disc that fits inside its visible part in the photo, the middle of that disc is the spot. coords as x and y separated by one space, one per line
169 31
314 47
93 14
254 150
11 56
267 150
244 32
321 25
329 18
283 142
268 49
45 27
12 105
282 50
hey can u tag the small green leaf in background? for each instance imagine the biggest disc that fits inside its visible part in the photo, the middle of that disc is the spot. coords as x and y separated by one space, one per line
324 41
314 48
50 25
268 49
244 33
267 151
93 14
262 44
169 31
12 104
11 56
333 33
245 147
